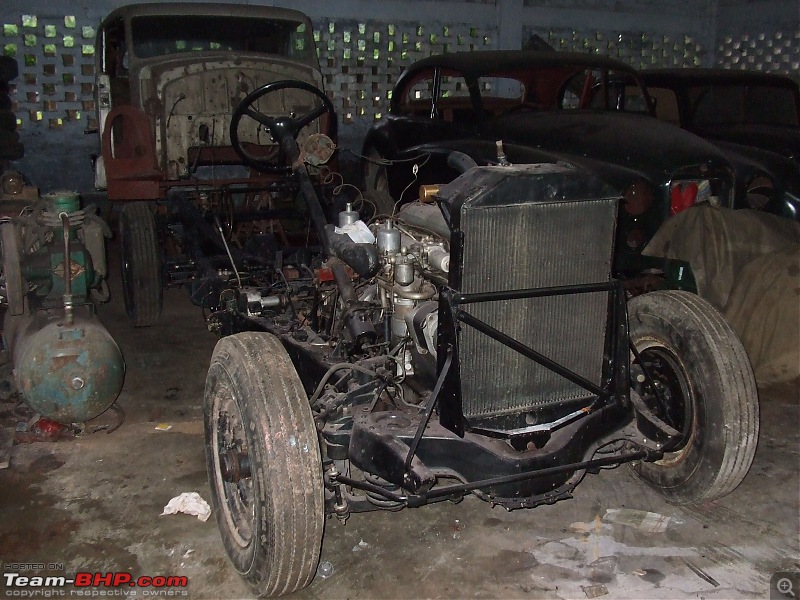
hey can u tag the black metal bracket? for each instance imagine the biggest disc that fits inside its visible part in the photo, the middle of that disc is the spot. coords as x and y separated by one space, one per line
429 409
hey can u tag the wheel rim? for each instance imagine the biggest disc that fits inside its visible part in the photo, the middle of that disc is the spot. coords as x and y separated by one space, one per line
674 401
234 487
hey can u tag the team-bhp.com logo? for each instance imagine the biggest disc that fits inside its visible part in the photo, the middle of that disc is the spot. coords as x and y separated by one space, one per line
19 585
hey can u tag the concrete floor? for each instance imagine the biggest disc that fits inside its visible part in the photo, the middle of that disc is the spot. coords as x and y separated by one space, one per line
93 504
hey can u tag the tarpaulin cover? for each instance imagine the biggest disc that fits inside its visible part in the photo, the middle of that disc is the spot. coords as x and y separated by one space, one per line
747 264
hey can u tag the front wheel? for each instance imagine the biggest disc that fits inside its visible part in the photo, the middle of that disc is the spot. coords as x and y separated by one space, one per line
264 464
704 387
142 286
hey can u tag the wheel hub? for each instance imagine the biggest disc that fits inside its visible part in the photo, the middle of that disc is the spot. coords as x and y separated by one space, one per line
234 466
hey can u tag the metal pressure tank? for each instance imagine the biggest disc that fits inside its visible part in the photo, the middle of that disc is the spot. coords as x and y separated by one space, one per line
67 372
66 365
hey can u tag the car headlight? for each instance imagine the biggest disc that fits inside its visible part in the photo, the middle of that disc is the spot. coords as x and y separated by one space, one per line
760 190
637 198
12 183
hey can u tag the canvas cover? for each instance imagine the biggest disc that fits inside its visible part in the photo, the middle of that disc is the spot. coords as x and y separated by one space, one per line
747 264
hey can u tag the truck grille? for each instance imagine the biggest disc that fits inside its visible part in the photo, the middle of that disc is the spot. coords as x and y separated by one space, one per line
539 226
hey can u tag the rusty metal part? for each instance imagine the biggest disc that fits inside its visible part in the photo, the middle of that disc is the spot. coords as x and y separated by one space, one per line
68 373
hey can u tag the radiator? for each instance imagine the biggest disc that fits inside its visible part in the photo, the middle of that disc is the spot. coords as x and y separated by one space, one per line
531 226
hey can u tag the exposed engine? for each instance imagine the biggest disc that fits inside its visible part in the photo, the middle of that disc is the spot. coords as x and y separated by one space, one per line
362 328
391 314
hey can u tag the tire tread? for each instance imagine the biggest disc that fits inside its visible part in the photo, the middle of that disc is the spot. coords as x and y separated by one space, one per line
734 380
144 308
296 504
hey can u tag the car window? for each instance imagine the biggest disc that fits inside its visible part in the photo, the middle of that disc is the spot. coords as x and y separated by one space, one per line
417 97
574 90
666 103
501 94
601 89
114 49
171 34
742 104
770 105
717 105
453 102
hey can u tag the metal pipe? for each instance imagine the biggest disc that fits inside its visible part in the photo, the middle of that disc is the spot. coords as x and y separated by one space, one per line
227 249
588 464
562 290
68 305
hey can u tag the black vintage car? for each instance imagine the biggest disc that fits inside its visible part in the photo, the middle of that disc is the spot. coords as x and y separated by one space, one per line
753 117
581 109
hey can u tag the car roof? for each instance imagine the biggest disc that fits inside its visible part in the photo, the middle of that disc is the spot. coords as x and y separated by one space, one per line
699 76
480 61
205 8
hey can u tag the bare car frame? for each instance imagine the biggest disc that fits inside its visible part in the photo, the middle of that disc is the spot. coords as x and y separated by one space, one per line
180 157
474 343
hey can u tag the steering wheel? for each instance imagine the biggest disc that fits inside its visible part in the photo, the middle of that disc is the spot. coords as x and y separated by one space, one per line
280 128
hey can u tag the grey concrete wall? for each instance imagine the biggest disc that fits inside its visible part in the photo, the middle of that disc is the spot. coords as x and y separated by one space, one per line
55 100
757 15
758 34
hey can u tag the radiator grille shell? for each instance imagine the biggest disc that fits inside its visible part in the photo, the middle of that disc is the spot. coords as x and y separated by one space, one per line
522 227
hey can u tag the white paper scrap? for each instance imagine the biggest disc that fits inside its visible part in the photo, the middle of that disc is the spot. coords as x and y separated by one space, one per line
190 503
358 232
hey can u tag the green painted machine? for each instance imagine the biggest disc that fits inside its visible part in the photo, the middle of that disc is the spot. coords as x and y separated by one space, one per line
66 365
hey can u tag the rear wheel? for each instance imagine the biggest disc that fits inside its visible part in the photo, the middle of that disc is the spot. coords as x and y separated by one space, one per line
705 388
264 464
142 285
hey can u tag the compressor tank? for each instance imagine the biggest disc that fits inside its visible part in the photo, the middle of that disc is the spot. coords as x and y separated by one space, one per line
69 373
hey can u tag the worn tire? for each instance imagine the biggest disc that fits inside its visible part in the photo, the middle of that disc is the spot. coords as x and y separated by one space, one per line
718 397
253 394
142 285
